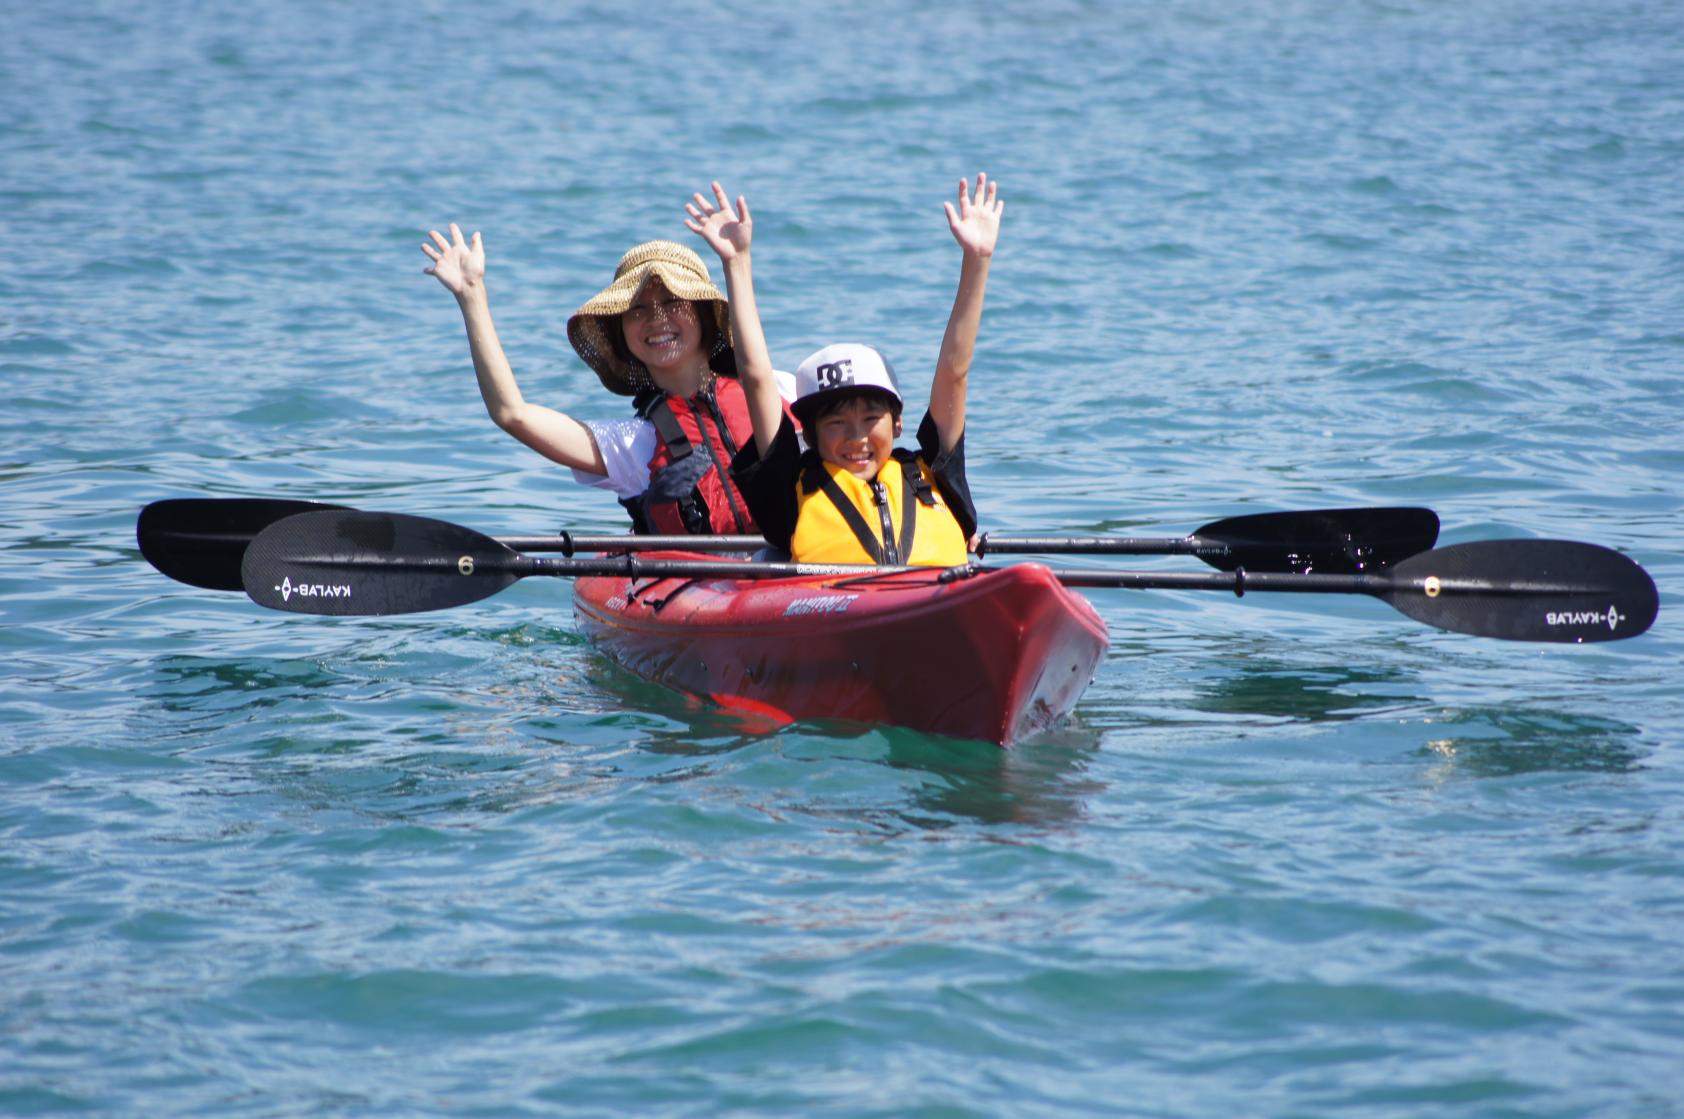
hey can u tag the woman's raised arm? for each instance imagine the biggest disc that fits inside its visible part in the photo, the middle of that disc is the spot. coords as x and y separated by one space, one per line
459 265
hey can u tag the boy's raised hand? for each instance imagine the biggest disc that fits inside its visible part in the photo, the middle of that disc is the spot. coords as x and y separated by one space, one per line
457 264
976 223
728 231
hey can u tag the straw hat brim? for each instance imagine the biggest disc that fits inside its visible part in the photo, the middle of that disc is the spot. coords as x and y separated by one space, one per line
588 329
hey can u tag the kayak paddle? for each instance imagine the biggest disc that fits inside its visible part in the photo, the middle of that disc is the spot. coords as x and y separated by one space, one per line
1518 590
359 564
1329 541
200 540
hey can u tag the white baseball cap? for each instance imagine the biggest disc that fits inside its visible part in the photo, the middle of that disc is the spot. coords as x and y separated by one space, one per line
845 367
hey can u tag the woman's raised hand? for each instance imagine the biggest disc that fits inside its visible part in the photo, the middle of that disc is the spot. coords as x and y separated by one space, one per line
457 264
728 231
976 223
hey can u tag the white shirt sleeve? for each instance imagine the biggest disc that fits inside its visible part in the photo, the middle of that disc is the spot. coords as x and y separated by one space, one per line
628 445
786 385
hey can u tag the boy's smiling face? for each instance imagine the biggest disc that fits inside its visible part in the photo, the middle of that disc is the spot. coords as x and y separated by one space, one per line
857 435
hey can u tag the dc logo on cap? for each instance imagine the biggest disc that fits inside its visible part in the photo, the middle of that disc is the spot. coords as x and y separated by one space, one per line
835 374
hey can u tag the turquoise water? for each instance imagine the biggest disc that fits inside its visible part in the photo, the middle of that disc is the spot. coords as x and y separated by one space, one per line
1297 857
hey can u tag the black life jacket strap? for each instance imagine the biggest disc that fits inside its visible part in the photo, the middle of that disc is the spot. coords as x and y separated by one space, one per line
818 478
639 519
652 405
915 491
680 480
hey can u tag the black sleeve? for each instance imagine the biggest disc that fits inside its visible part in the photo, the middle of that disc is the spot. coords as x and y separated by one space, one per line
768 484
949 472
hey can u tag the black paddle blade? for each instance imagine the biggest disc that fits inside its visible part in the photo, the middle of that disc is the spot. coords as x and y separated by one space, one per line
351 563
200 540
1322 541
1527 590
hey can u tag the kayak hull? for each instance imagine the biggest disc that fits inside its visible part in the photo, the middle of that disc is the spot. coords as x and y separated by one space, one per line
996 656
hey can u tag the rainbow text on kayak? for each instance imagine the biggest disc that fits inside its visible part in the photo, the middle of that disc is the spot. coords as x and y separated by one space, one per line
819 604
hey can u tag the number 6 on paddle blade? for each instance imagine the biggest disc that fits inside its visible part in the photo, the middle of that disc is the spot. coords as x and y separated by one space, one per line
1527 590
362 564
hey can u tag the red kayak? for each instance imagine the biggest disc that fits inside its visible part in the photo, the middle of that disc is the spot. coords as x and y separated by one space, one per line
996 656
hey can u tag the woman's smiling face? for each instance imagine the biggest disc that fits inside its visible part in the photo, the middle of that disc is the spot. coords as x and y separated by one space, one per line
661 330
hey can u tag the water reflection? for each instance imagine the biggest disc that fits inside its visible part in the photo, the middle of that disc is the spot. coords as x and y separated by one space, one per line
196 685
1305 693
1504 742
668 721
389 728
1041 782
1481 741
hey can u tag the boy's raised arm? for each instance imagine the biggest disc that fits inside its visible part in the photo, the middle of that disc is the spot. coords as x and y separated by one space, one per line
730 232
976 226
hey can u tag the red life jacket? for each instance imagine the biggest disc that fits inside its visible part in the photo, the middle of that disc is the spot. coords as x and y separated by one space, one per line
690 487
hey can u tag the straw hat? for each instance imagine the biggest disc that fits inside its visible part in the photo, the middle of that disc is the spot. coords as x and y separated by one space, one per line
598 339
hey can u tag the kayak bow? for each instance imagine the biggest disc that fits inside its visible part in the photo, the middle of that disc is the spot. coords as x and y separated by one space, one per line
997 656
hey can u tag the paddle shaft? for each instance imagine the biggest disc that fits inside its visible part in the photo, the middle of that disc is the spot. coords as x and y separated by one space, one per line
573 543
627 564
324 576
630 565
202 541
349 563
1240 582
1350 541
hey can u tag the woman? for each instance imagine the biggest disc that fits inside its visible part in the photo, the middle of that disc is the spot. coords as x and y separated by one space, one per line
661 334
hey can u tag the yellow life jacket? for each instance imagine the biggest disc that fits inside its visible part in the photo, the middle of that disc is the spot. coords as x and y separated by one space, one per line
897 518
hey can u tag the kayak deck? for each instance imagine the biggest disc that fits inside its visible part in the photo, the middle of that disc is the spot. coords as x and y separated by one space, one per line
996 656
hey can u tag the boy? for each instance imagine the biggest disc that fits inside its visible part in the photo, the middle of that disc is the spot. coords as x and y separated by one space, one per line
853 497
